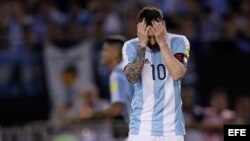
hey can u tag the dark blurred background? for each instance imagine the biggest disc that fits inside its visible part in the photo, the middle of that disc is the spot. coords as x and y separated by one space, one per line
39 35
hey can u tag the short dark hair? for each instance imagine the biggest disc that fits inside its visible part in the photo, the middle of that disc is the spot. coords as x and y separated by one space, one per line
70 69
150 14
113 39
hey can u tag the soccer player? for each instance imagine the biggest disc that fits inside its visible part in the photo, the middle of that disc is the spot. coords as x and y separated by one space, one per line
155 62
121 90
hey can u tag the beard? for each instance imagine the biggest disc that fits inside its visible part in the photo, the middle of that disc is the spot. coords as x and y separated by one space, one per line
154 47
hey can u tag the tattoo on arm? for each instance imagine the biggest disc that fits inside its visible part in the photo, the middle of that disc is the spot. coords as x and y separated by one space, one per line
133 70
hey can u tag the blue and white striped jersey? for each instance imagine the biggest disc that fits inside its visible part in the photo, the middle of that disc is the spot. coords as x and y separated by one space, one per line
156 104
121 90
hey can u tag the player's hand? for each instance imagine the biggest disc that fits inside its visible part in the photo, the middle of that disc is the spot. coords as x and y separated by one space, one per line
86 113
142 33
160 33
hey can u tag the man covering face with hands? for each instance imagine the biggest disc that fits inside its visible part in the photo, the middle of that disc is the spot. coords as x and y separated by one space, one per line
155 62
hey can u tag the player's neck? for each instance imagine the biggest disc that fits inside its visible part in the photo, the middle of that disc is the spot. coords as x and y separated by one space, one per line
114 63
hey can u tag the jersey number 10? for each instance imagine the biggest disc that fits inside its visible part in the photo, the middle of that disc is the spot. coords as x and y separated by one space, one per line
161 74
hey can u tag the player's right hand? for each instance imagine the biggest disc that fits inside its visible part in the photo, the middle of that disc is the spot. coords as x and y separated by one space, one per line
142 33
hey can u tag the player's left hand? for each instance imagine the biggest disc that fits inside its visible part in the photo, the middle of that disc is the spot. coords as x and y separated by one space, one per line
160 32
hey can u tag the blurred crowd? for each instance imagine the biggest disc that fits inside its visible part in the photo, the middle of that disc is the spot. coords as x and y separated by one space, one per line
207 123
31 22
218 31
25 23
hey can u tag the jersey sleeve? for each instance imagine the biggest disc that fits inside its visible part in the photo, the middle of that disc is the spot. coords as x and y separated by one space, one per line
180 48
128 53
117 89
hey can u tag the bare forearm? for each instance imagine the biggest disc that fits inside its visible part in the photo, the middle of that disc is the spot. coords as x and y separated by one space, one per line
133 70
175 67
114 111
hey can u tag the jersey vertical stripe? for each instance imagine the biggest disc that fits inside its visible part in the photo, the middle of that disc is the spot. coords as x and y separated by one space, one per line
148 96
179 121
159 93
169 111
137 105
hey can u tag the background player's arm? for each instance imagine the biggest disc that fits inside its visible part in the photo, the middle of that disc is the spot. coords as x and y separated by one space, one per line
118 98
175 67
113 111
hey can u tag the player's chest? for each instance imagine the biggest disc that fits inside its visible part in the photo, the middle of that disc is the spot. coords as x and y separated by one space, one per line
154 66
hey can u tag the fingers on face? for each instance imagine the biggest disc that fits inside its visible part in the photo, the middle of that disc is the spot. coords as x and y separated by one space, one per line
140 26
148 28
144 26
156 25
154 30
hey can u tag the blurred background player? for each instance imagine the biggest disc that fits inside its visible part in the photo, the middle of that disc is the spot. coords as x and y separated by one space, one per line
120 89
155 62
66 100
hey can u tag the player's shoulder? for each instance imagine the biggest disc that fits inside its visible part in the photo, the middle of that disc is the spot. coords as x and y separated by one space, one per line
179 44
177 38
118 71
132 43
119 67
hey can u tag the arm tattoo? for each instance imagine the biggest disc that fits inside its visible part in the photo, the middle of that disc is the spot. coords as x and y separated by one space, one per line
133 70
